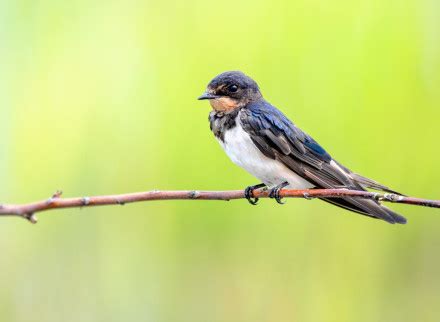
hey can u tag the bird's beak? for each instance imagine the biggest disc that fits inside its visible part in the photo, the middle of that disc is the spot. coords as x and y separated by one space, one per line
207 96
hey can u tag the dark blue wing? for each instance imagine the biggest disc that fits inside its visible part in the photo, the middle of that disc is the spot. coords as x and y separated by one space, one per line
278 138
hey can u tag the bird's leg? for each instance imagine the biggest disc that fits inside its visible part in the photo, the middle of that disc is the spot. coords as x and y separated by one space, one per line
275 192
249 193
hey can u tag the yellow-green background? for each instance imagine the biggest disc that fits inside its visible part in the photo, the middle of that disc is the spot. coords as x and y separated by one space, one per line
99 97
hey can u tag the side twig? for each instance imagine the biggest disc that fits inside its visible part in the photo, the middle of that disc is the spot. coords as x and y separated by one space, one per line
28 211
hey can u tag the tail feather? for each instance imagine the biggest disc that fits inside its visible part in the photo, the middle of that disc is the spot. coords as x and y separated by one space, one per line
366 182
367 207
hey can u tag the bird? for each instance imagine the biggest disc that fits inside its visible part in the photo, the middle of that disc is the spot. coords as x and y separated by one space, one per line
259 138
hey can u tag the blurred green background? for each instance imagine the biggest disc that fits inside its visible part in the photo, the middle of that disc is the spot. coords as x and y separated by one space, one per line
99 97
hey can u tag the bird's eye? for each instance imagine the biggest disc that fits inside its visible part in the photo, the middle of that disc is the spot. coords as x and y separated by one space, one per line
233 88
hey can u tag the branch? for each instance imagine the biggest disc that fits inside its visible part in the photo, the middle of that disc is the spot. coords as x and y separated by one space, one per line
28 211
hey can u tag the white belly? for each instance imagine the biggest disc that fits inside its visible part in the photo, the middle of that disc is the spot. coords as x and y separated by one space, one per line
243 152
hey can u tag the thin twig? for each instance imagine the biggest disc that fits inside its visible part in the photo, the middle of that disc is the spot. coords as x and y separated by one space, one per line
28 211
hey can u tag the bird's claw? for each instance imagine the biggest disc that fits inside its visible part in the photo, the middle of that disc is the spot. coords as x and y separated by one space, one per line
249 195
275 194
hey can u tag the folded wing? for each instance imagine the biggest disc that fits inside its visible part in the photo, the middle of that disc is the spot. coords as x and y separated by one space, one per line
278 138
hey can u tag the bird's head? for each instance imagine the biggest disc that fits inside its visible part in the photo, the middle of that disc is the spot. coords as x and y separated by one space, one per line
231 90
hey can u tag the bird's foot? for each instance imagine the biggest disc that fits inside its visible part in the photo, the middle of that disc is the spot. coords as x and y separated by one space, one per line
275 193
249 193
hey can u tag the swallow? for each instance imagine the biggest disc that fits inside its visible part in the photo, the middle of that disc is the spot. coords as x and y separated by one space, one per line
262 140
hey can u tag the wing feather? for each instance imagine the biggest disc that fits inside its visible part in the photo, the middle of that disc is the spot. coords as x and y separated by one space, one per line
278 138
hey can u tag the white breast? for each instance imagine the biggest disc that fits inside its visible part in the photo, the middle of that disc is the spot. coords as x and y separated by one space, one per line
243 152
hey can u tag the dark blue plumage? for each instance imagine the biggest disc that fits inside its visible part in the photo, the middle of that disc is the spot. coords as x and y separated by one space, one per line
271 118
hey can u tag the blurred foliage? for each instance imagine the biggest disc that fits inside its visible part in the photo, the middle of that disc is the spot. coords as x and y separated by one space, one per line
99 97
